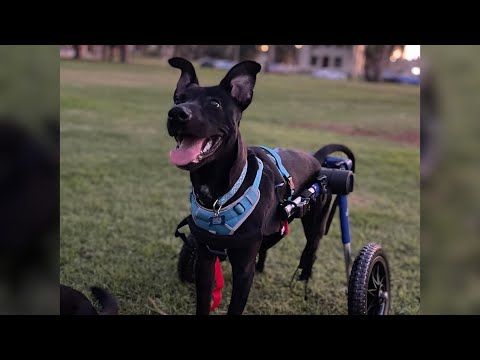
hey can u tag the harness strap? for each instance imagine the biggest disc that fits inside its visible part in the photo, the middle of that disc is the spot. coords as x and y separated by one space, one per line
221 201
179 226
219 281
285 174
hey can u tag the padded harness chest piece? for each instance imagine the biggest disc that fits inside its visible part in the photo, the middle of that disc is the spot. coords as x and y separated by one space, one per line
228 219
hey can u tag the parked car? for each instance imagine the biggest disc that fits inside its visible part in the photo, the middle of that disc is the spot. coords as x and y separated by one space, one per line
401 78
222 64
207 62
281 68
329 74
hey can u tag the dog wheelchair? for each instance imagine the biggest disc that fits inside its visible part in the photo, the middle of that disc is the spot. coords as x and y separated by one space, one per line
368 275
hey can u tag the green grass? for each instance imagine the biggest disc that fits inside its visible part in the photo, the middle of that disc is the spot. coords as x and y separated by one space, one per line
121 199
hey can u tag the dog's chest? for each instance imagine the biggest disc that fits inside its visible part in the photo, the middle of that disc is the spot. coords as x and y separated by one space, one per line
205 192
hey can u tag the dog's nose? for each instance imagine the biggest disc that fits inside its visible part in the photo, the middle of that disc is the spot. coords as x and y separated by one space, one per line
180 113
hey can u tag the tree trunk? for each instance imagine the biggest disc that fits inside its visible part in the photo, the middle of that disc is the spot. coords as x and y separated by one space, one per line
270 57
236 53
79 51
358 61
166 51
104 52
111 53
123 53
377 57
374 70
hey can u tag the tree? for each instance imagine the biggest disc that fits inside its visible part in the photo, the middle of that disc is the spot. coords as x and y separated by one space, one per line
358 70
123 53
376 58
166 51
271 55
286 54
79 51
108 52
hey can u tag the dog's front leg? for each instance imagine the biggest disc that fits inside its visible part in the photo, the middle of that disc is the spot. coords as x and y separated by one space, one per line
243 270
204 276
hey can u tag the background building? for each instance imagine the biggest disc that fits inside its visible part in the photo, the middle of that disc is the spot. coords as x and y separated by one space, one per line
338 57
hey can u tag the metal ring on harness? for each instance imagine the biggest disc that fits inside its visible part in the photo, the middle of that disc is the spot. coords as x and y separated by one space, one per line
216 211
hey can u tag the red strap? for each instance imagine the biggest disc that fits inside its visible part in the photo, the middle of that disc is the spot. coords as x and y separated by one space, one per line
217 292
286 227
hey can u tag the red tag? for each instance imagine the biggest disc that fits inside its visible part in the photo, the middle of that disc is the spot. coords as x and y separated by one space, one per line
217 292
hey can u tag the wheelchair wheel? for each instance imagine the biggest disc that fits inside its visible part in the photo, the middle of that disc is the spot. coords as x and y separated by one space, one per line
369 283
186 260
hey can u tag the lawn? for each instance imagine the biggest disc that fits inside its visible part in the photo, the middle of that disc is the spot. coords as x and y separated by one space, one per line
121 199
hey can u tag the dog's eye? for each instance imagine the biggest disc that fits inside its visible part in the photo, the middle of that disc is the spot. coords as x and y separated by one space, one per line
215 103
176 100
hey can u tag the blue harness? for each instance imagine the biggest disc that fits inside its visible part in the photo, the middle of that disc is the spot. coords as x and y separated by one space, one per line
225 221
273 154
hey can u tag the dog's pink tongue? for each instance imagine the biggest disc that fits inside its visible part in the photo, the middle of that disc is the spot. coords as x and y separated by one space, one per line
188 151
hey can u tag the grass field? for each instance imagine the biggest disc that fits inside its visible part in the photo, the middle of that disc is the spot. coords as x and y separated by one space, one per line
121 199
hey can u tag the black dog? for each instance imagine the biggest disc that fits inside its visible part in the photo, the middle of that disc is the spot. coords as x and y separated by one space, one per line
29 206
73 302
205 122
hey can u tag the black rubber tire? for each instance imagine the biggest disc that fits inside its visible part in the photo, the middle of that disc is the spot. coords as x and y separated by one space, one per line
363 291
186 260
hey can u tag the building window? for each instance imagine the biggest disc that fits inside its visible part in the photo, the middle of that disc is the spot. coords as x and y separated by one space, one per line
338 62
313 60
325 61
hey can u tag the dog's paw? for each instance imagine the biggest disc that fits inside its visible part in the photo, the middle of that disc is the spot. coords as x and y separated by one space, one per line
305 275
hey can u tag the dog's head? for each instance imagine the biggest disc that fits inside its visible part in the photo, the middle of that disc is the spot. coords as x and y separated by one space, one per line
205 120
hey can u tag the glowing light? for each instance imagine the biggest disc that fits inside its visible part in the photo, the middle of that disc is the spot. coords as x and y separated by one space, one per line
411 52
397 54
298 46
416 70
264 48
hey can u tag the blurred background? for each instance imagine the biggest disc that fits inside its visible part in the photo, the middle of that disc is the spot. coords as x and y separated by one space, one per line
450 176
29 179
121 199
390 63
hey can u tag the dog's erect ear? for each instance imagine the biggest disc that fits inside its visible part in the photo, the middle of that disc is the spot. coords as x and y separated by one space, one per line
239 82
188 76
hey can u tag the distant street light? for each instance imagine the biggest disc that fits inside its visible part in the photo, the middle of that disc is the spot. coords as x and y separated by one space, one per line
298 46
397 54
416 70
411 52
264 48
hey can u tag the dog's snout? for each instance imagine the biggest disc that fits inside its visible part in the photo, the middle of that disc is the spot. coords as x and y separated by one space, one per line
180 113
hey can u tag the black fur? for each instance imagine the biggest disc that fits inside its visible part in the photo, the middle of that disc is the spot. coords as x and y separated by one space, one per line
195 114
29 205
73 302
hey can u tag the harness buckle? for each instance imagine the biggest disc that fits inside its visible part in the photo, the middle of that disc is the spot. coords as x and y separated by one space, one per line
322 180
291 184
217 252
215 210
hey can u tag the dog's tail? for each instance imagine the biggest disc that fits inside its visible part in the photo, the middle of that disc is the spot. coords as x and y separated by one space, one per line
107 301
322 154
